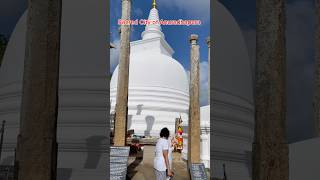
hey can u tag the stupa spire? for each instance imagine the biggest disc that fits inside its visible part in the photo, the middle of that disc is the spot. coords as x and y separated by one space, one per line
154 4
153 28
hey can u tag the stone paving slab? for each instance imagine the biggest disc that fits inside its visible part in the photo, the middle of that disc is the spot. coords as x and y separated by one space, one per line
142 169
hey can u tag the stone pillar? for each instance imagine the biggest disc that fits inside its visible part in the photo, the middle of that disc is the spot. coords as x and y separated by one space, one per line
316 102
120 128
37 147
194 107
270 150
209 47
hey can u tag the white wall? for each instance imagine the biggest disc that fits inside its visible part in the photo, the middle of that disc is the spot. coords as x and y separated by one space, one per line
304 160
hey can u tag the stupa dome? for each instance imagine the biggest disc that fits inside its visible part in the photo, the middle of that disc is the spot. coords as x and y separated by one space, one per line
154 69
231 99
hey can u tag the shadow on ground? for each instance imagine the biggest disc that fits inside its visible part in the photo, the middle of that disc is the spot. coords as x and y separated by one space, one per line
141 167
131 171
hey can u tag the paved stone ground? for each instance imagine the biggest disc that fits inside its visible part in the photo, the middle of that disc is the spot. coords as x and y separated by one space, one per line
142 168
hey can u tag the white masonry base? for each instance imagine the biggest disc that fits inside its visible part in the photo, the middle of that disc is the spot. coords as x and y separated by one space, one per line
204 147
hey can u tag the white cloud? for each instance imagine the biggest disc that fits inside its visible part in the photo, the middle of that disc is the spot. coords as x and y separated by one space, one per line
198 8
203 82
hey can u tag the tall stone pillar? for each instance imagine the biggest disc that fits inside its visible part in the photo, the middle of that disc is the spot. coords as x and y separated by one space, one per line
37 147
270 151
316 102
120 128
194 109
209 47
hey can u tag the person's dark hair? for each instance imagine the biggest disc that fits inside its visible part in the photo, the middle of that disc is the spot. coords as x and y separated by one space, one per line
164 132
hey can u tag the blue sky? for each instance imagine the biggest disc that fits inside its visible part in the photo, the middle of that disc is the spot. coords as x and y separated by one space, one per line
176 36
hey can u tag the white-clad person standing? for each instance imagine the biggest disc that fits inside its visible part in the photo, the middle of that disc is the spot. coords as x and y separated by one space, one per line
162 167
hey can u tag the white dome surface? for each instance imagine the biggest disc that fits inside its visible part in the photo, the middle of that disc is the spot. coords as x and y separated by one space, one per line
232 68
152 69
231 99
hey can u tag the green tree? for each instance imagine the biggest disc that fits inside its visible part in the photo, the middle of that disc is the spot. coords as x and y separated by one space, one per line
3 45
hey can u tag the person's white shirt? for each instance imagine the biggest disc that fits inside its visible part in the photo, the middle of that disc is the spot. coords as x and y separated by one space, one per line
159 163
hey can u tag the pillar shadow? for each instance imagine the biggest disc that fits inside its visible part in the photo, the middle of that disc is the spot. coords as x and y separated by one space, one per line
64 173
129 122
139 109
249 162
94 146
150 122
131 168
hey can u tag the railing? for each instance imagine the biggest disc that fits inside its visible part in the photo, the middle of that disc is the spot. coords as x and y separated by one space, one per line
8 172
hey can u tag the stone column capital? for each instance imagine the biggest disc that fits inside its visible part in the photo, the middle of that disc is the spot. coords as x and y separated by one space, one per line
193 39
208 40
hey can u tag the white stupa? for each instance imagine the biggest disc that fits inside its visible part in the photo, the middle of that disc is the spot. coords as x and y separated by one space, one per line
158 84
